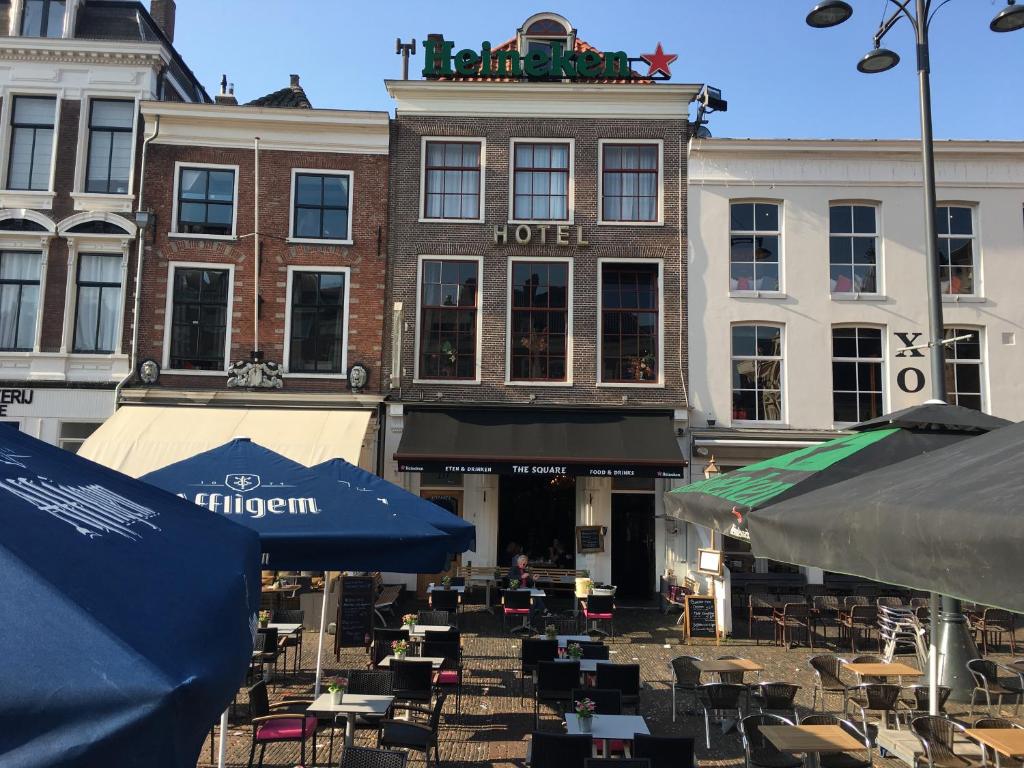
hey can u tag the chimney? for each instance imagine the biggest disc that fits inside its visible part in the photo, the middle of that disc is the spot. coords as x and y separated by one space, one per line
227 92
162 12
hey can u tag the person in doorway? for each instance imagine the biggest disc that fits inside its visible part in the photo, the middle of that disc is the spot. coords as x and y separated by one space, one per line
520 571
512 551
557 554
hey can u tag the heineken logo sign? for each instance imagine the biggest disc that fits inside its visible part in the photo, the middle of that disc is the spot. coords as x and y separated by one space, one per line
556 62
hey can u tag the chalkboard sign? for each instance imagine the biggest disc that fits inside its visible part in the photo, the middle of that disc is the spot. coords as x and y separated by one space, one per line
701 617
355 611
589 538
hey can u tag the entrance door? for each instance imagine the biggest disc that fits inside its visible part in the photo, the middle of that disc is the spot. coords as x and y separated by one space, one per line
534 512
633 544
452 501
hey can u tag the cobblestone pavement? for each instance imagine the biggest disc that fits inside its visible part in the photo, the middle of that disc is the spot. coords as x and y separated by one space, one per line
494 725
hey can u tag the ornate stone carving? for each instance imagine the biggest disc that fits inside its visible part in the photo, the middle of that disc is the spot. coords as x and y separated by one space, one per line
249 375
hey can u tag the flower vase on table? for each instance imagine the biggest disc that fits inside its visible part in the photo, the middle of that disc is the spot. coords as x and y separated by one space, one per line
409 621
400 648
264 619
585 709
337 689
574 651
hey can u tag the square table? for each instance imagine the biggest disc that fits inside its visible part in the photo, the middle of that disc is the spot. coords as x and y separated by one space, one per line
811 739
351 704
420 630
1005 741
285 629
728 665
586 665
564 640
890 669
435 661
459 589
609 727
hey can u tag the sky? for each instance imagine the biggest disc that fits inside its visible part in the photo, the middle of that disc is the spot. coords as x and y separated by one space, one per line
781 78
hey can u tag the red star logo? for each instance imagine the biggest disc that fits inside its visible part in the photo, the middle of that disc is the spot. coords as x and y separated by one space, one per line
738 515
659 61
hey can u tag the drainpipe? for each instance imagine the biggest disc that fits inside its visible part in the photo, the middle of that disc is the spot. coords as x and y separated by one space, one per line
256 251
138 272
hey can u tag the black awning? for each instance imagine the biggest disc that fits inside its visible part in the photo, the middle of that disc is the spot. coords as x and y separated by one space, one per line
521 441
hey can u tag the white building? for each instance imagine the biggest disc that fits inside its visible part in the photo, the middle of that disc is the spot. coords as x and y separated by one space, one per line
807 285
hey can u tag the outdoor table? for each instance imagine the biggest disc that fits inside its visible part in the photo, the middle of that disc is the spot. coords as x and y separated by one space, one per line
586 665
728 665
1005 741
422 629
891 669
285 629
435 661
608 728
431 588
564 640
810 739
351 704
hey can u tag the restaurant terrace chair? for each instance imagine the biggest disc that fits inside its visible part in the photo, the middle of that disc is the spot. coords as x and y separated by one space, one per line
533 651
446 600
556 680
825 613
560 750
450 634
720 701
850 601
450 673
285 721
434 618
993 624
876 697
366 757
861 620
381 645
414 679
828 670
291 616
417 735
758 750
793 616
594 650
271 651
607 701
624 678
685 678
856 759
369 682
517 602
599 608
890 601
915 701
563 626
937 734
990 755
665 751
774 697
869 659
988 682
761 610
730 677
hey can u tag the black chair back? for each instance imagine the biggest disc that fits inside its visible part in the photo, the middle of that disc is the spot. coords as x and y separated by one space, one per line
435 618
597 651
259 703
371 682
445 649
517 599
560 750
413 679
722 696
664 751
382 639
289 616
269 638
600 604
443 634
535 650
686 671
458 581
606 700
560 677
622 677
444 600
366 757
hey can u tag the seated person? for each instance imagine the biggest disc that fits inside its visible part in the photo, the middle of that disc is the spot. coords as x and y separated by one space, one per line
521 572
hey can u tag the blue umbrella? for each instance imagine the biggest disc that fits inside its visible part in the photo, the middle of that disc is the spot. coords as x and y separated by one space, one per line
355 479
134 614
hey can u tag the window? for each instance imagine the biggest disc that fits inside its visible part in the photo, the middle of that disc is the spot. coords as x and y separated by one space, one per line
852 249
74 433
452 180
19 299
110 146
955 227
206 201
317 331
540 315
31 142
963 368
42 18
629 322
322 206
757 373
754 251
98 307
541 182
448 325
542 33
856 374
629 182
199 318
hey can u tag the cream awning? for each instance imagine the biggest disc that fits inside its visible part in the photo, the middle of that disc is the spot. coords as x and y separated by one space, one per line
140 439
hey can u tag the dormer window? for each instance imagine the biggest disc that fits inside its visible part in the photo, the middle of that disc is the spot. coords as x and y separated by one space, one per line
43 18
538 35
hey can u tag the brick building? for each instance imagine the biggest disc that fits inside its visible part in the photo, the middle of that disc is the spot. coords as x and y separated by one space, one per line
263 283
537 329
72 78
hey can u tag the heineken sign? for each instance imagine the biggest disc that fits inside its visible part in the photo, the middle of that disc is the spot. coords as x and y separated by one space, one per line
442 60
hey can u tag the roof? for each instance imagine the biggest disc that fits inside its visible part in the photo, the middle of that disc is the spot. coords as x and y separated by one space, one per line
292 97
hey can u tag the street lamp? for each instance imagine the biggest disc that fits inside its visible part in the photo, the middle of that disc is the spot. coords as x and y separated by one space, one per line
957 645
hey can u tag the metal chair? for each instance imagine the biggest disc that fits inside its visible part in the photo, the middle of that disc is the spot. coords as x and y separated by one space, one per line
517 602
862 620
868 659
434 618
450 673
446 600
761 610
758 750
685 678
607 701
595 650
381 645
843 759
987 681
991 755
414 680
533 651
560 750
365 757
793 616
937 734
271 651
562 625
719 701
556 680
283 722
774 697
415 735
828 679
825 613
877 697
916 702
294 642
994 623
665 751
730 677
599 608
624 678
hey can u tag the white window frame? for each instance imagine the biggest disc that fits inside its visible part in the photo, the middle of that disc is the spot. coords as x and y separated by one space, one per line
102 201
174 233
509 381
660 220
419 317
659 383
879 292
18 11
482 141
292 269
883 370
982 360
62 422
756 293
26 198
782 373
570 191
34 242
169 315
292 237
92 243
978 294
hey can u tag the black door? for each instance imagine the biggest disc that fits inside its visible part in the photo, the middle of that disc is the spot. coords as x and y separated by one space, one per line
633 544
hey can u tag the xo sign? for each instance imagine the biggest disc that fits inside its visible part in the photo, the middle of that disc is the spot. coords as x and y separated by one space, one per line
910 379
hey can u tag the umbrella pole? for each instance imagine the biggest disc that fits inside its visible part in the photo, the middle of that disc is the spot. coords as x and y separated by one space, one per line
320 642
933 654
222 743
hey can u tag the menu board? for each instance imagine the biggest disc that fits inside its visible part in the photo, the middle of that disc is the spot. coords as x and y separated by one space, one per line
355 611
701 617
589 538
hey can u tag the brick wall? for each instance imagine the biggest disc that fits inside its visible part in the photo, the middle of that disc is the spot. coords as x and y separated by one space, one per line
366 257
410 238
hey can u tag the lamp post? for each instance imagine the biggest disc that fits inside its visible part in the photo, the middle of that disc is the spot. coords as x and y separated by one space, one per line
955 644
